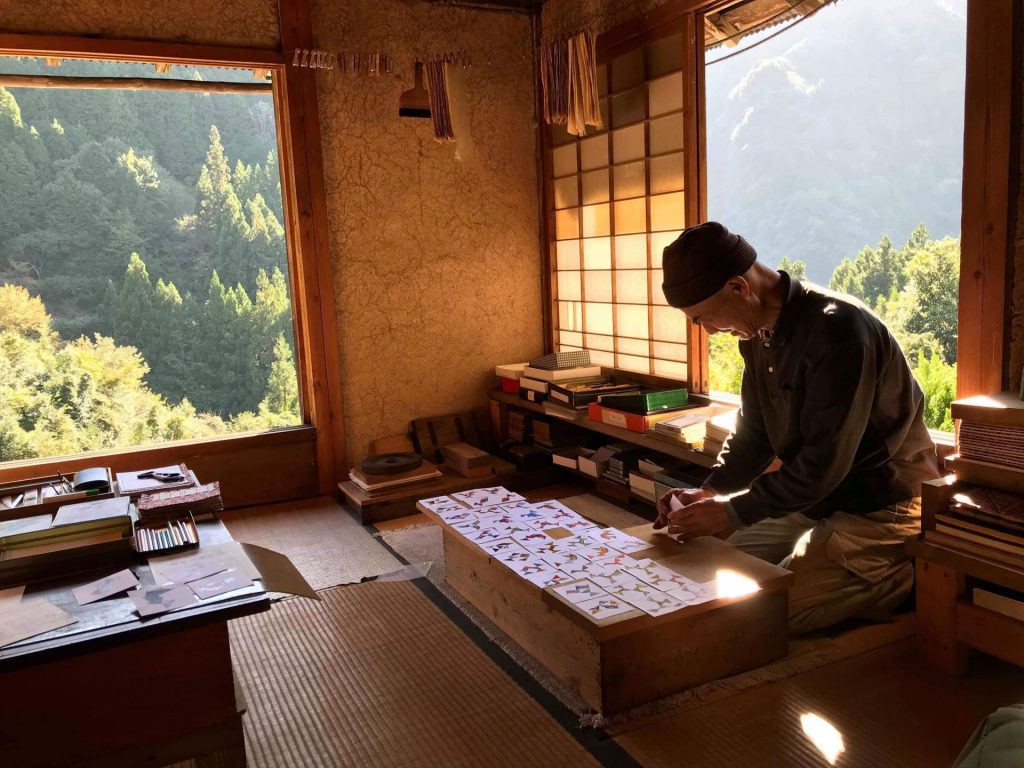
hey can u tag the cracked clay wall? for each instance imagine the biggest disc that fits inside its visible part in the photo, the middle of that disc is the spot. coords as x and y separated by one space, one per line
436 259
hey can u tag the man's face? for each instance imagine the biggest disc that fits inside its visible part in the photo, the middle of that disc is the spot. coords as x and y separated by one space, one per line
726 311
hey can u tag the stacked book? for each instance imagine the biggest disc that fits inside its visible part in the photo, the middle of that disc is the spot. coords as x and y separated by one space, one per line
688 429
203 501
73 526
717 430
621 463
517 426
984 522
642 480
557 368
640 411
990 441
387 483
569 399
510 375
467 460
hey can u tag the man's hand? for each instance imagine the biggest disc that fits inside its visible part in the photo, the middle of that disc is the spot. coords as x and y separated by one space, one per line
685 495
706 517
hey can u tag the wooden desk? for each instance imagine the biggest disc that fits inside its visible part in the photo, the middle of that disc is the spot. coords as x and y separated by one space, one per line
634 658
948 624
116 690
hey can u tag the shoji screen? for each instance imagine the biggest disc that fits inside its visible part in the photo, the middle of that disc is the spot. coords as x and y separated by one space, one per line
618 197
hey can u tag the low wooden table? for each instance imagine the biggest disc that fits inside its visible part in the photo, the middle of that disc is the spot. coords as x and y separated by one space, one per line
633 658
116 690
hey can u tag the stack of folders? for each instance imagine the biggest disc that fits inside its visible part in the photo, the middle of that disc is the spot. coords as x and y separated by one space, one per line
74 525
717 430
200 501
984 522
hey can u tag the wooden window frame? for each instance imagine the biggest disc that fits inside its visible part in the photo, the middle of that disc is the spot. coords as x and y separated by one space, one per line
990 179
277 465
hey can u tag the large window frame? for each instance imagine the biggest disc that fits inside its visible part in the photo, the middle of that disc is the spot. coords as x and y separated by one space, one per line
990 178
289 463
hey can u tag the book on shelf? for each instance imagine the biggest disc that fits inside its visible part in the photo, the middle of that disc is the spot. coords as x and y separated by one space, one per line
642 485
569 457
562 374
552 408
634 422
532 396
509 370
647 401
689 427
1007 603
980 539
554 361
712 447
596 463
579 394
718 428
371 483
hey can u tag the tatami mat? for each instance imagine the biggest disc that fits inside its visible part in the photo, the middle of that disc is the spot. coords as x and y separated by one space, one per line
376 675
326 544
885 706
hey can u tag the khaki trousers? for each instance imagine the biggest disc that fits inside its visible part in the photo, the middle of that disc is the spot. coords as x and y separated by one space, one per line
846 566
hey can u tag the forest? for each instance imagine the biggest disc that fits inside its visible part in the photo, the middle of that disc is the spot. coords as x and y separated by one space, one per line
143 272
913 289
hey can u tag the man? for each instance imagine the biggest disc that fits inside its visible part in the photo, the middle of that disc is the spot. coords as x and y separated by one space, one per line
827 391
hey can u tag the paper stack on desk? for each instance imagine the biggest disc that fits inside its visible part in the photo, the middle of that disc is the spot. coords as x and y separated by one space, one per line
553 546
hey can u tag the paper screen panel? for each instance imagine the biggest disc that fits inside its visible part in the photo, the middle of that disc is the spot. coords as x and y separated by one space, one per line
630 180
667 134
596 221
663 350
569 286
596 341
665 94
595 187
606 359
630 251
597 253
631 286
668 212
563 160
628 107
574 338
594 152
631 216
669 324
567 254
567 223
659 240
567 193
598 318
597 285
664 56
570 315
632 321
668 173
602 79
631 363
670 369
628 144
627 70
657 294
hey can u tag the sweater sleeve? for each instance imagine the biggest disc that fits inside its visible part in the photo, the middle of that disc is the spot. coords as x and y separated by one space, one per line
748 451
834 415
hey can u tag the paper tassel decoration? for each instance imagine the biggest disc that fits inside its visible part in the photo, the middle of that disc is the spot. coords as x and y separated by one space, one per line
440 104
568 74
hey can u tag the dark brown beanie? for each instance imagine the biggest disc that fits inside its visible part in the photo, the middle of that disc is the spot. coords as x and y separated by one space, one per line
700 261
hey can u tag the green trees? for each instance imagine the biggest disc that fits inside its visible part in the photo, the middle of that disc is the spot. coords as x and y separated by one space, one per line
142 280
915 291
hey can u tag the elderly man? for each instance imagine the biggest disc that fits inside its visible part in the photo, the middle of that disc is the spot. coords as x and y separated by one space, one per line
826 391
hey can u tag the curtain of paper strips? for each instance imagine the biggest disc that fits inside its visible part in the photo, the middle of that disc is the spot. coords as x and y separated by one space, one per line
568 78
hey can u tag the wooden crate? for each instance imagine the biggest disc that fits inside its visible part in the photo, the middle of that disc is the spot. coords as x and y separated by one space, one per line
633 658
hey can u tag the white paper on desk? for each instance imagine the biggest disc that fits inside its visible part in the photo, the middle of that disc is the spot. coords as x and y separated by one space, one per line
545 576
487 534
11 596
564 561
646 598
196 568
503 546
528 515
457 516
660 577
440 504
31 618
532 540
693 595
576 543
619 540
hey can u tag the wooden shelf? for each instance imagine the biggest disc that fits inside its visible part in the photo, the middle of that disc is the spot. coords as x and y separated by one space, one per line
965 563
653 444
990 632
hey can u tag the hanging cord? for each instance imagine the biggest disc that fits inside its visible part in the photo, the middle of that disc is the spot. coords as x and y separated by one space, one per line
800 20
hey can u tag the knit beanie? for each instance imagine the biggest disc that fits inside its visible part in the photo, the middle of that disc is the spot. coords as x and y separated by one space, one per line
700 261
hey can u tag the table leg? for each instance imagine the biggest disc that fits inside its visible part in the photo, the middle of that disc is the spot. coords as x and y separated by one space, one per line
938 589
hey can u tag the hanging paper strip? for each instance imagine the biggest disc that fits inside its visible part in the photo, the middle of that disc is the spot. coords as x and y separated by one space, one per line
568 73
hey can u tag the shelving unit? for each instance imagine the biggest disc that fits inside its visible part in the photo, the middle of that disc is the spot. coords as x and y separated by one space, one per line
505 400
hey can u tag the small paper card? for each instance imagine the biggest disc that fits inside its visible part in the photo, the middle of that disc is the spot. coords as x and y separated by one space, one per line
646 598
615 560
578 591
487 534
599 552
470 526
564 561
457 516
530 567
219 583
502 546
113 584
545 577
532 540
552 507
601 608
623 542
486 497
694 595
440 504
31 618
531 517
576 543
514 559
150 602
659 576
610 578
516 505
190 570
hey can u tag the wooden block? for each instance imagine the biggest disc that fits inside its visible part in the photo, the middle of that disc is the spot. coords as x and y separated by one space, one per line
935 496
429 435
984 473
938 588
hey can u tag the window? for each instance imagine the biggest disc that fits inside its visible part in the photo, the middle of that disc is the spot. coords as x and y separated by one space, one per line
836 148
617 197
144 277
